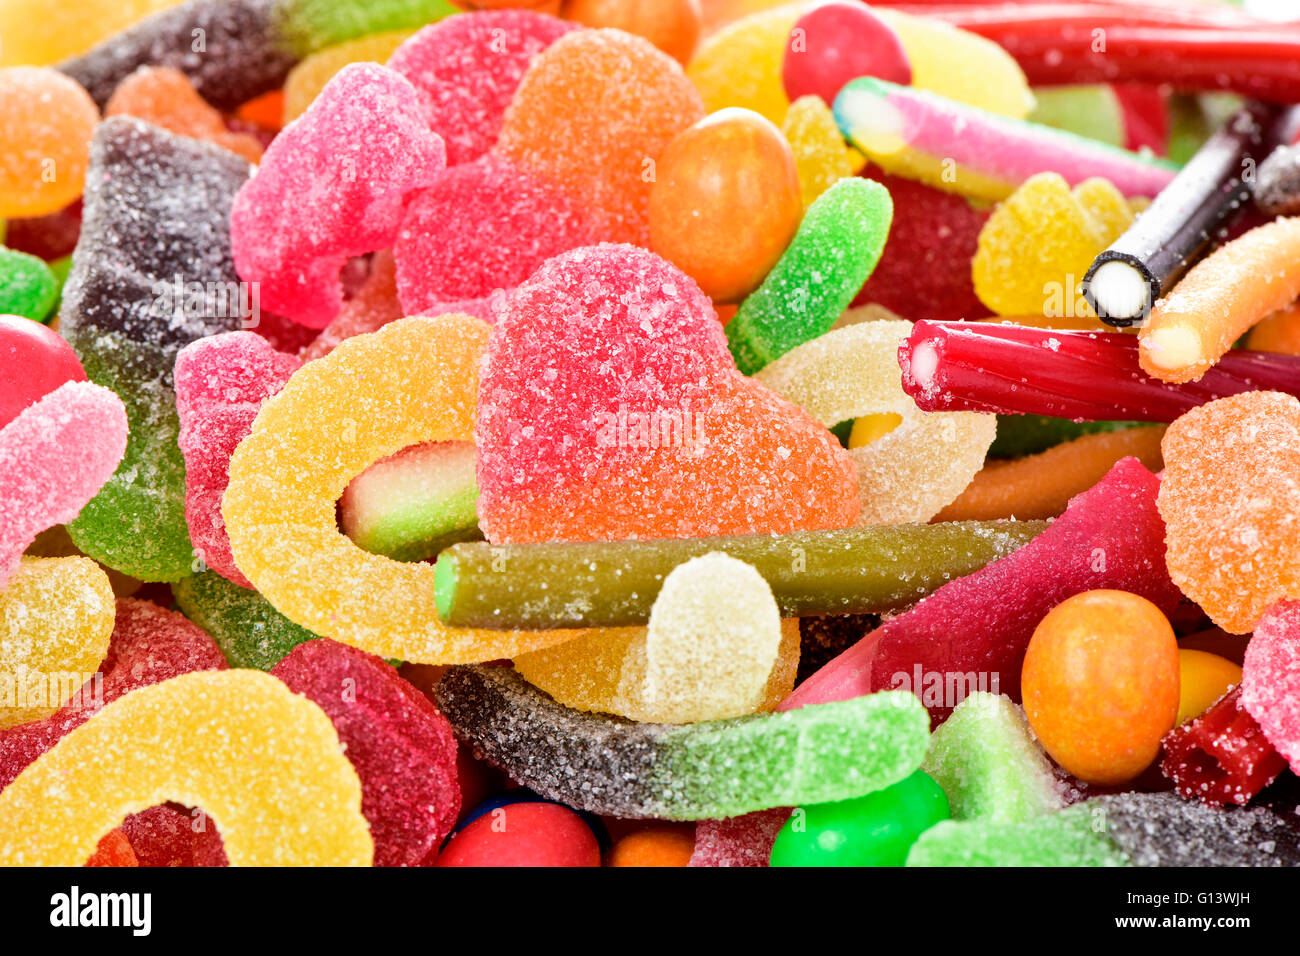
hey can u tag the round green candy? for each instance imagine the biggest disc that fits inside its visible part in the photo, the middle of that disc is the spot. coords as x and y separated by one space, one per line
875 830
27 286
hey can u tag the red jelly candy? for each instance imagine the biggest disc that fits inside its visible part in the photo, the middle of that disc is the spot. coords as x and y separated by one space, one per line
1221 757
34 361
172 835
524 834
113 850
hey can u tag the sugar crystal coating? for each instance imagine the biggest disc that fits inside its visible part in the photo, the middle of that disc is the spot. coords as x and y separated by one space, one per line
28 287
371 307
820 153
46 121
250 632
165 97
1074 836
1270 679
306 80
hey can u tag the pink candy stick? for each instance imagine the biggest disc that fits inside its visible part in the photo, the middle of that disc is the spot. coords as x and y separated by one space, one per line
221 383
54 457
1270 679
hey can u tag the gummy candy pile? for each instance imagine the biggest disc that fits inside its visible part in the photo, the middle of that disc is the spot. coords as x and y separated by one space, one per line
649 433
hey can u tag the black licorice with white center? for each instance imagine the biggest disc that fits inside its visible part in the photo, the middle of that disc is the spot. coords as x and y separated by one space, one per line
1277 186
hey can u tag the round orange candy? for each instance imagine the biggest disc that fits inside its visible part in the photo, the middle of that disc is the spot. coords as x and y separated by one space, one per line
1203 679
726 202
46 122
1100 684
661 845
671 25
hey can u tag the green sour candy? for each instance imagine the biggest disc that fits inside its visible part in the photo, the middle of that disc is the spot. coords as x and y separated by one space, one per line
1076 836
834 252
988 763
249 631
27 286
310 25
714 769
875 830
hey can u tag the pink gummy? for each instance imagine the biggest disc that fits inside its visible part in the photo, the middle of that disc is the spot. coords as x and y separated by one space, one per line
481 227
467 68
372 307
402 748
1270 679
221 383
334 184
54 457
741 841
148 645
1110 536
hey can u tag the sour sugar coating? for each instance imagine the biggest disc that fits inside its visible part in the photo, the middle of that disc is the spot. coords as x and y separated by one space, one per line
987 761
46 120
821 156
467 69
263 763
978 627
923 462
308 78
165 97
332 185
481 227
250 632
372 307
714 641
608 389
740 64
739 841
1074 836
714 769
1270 680
56 615
1229 498
413 381
148 645
54 457
221 382
27 286
590 117
400 746
1222 757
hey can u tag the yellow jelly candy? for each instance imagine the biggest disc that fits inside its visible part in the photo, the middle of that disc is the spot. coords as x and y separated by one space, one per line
820 154
909 472
413 381
1037 245
39 32
714 647
263 762
308 78
1202 679
56 617
740 65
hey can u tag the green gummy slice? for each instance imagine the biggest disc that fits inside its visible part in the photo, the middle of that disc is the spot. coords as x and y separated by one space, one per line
310 25
1020 435
987 762
1092 111
27 286
835 250
247 628
1073 837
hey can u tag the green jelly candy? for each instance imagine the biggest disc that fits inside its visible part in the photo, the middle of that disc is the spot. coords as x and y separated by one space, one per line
875 830
987 762
1073 837
1020 435
249 631
1092 111
27 286
834 252
413 504
309 25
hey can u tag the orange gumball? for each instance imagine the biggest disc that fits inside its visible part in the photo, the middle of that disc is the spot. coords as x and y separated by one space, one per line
726 202
671 25
1101 684
661 845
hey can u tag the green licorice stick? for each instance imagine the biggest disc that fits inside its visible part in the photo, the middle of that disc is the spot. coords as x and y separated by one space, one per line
249 631
615 583
835 250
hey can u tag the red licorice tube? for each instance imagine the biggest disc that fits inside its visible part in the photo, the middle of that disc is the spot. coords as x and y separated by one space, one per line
1086 376
1222 756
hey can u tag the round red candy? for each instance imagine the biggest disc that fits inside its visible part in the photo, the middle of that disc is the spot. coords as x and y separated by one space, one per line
524 834
839 42
34 361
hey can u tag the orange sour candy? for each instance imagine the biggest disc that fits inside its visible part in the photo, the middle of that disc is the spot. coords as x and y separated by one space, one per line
46 122
165 97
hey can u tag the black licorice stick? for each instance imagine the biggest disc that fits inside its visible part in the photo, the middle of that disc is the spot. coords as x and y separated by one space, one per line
1180 224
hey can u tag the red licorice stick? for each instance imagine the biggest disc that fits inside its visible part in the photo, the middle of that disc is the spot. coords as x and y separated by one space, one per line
1222 756
1086 376
1171 13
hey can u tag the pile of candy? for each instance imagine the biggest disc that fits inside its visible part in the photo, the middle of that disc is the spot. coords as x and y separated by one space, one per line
649 433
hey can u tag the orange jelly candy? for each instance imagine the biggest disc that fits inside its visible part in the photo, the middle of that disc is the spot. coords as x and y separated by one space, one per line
46 122
165 97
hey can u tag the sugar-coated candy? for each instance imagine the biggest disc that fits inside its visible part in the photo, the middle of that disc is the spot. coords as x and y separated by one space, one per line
467 69
1223 756
1203 678
591 115
923 462
740 64
46 122
836 42
714 646
714 769
1228 498
977 628
170 834
875 830
35 32
56 615
744 841
1276 189
400 746
413 504
308 78
263 762
334 184
726 202
371 307
1075 836
607 390
671 25
838 243
481 227
113 850
531 833
34 361
1270 678
821 157
27 286
413 381
1280 332
54 457
221 383
662 844
165 97
250 632
986 760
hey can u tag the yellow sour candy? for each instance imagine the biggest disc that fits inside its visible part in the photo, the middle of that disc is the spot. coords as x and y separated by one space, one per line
1037 245
820 154
308 78
39 32
740 65
264 763
715 647
908 472
413 381
56 617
